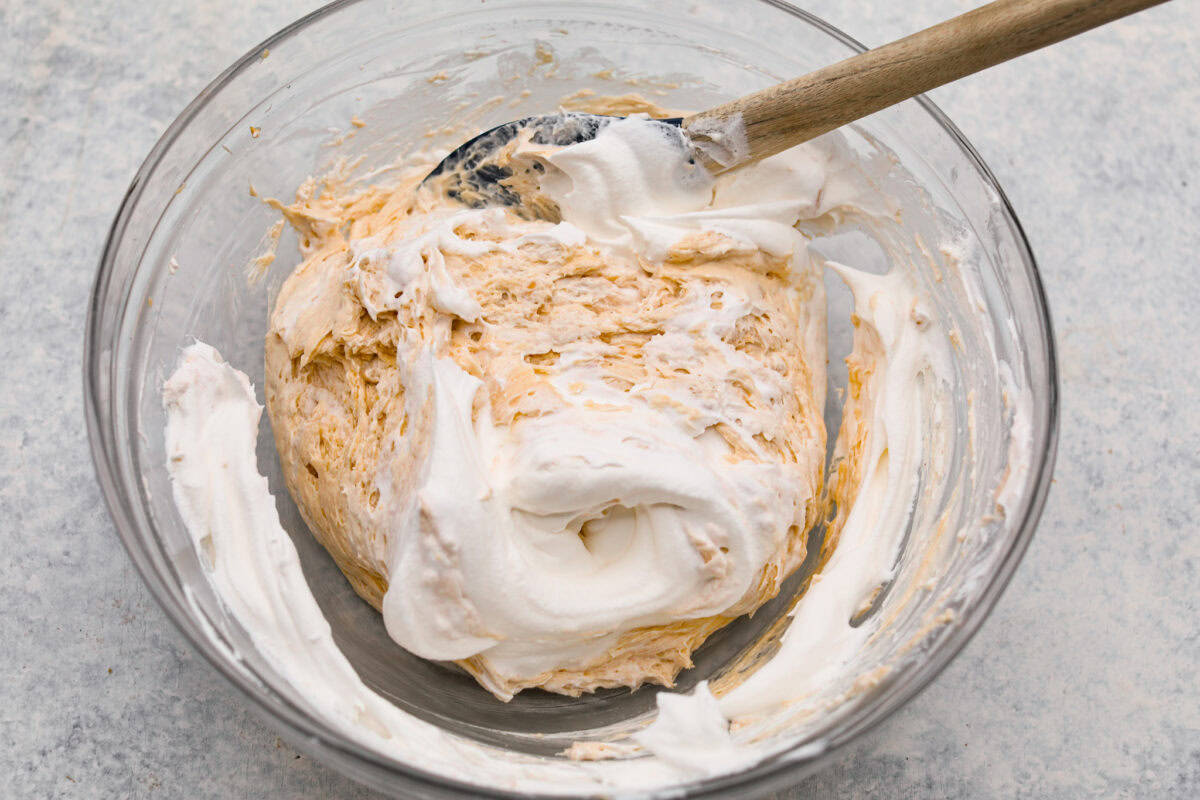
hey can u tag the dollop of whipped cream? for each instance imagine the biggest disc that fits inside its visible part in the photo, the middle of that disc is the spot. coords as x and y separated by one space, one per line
608 425
539 544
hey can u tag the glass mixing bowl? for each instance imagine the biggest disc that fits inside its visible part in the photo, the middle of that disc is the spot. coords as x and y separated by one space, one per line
426 73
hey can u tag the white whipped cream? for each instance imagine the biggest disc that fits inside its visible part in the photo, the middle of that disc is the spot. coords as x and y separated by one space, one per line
634 187
809 669
672 532
212 426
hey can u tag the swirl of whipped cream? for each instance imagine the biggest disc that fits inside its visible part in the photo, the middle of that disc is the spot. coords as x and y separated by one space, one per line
568 529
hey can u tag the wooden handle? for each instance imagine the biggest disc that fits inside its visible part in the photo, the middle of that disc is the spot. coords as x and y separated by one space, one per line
787 114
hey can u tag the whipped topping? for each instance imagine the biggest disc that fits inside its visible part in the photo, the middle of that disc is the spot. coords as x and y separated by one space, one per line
212 427
536 543
900 359
635 169
571 528
635 187
614 512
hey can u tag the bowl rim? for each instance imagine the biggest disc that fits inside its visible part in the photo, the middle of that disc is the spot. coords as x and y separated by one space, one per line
318 739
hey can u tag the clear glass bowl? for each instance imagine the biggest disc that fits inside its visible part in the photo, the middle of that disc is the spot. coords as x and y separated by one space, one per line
173 270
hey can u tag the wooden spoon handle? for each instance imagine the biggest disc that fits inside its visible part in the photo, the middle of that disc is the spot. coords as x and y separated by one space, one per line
787 114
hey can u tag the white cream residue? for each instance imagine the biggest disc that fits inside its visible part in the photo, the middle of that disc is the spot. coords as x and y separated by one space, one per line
907 354
212 428
692 734
634 187
634 168
909 358
720 140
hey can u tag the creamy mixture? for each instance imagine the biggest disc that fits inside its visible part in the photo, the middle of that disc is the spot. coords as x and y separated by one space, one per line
560 454
563 453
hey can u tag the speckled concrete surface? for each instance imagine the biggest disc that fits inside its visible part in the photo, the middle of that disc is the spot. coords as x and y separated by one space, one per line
1082 684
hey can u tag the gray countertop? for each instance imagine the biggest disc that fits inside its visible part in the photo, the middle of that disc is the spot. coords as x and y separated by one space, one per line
1083 683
